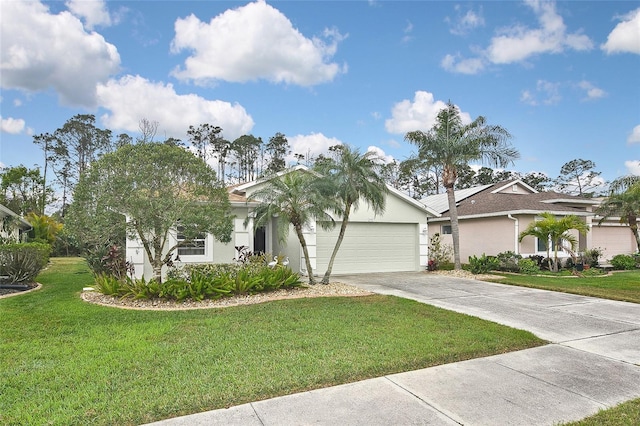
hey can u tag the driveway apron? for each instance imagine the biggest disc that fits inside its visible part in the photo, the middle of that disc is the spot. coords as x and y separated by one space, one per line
591 363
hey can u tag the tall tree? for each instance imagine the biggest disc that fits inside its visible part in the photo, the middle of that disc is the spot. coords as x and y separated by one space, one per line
451 144
553 231
354 178
202 137
277 149
295 198
158 187
246 152
23 190
623 202
537 180
72 148
579 177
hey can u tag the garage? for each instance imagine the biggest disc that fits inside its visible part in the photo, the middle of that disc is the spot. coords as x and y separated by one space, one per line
370 247
616 238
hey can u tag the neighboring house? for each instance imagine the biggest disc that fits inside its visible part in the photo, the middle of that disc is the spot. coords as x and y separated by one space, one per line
12 226
491 218
396 240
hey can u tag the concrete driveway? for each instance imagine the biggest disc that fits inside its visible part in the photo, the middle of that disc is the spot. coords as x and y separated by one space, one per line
592 363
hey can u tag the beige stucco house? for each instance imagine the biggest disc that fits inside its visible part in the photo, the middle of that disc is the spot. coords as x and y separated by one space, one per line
396 240
491 217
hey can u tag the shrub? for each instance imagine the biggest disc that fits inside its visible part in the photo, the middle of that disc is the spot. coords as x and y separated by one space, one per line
509 261
528 266
204 281
483 264
590 257
439 253
623 261
108 284
22 262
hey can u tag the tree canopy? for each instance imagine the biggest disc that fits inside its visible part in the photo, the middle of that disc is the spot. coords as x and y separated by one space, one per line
353 178
450 144
157 187
296 198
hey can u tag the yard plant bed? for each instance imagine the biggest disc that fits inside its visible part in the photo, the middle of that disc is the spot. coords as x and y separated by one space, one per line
66 361
622 285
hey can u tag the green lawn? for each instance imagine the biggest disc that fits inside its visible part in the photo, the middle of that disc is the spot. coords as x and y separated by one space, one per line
626 414
623 285
65 361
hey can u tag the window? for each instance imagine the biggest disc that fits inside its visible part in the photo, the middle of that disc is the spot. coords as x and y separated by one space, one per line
446 229
194 247
542 246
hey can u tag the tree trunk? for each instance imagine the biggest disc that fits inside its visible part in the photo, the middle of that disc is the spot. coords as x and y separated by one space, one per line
455 230
343 228
633 225
303 243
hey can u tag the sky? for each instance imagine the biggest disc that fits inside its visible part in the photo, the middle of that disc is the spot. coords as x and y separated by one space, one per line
562 77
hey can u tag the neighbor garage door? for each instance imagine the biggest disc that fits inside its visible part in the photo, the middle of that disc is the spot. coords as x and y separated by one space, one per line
370 247
613 239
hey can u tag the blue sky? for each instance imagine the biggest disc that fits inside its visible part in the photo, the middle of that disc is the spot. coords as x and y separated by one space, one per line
562 77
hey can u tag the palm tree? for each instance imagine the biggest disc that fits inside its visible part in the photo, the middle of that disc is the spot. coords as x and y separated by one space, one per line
450 144
552 230
354 178
295 198
624 202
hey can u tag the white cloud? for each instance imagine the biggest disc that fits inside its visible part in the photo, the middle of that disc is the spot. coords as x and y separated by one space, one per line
633 167
310 145
421 114
132 98
625 37
12 125
93 12
546 93
592 91
634 136
455 63
253 42
379 152
517 43
465 23
42 51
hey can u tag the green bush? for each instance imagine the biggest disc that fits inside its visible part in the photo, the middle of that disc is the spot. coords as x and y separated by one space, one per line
590 257
204 281
528 266
623 261
22 262
509 261
483 264
108 284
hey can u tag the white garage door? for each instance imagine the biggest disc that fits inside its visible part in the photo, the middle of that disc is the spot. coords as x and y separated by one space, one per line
613 239
370 247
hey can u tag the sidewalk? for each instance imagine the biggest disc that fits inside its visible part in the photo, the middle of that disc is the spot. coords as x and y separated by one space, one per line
592 363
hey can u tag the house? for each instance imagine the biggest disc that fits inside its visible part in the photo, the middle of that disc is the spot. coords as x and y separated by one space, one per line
491 218
396 240
12 226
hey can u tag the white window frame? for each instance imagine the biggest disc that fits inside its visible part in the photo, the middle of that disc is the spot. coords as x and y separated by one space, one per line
195 244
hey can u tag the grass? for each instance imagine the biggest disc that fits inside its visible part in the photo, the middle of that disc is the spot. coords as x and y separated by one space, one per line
65 361
626 414
623 285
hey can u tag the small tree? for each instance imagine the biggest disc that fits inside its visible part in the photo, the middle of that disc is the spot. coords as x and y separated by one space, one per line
553 231
295 198
354 178
157 186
